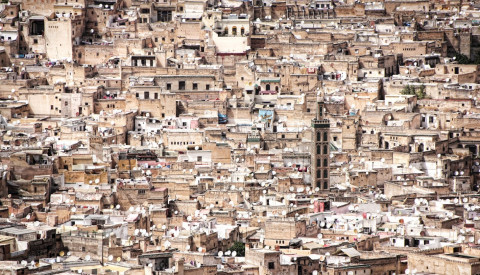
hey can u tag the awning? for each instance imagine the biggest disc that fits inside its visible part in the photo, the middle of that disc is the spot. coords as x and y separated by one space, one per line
270 80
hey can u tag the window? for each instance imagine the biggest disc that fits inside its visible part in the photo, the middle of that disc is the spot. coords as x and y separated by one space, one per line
319 162
319 174
164 16
141 192
318 136
325 149
325 136
325 162
325 185
199 158
169 86
195 86
325 173
318 149
207 87
271 265
181 85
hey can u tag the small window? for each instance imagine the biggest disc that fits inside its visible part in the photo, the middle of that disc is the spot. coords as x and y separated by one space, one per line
271 265
181 85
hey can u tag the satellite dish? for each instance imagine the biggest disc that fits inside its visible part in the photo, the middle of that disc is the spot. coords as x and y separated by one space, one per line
117 207
87 258
234 253
119 259
220 253
61 253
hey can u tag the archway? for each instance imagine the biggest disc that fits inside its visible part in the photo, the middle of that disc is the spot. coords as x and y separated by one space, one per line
421 147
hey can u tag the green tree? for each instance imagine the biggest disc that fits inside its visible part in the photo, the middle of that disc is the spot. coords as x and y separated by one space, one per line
462 59
239 247
418 91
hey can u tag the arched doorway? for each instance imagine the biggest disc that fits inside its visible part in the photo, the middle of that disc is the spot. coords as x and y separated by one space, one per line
421 147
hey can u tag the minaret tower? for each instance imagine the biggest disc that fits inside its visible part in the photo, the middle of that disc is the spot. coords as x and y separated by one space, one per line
320 160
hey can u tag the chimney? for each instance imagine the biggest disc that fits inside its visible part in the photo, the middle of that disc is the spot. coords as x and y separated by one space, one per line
179 266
